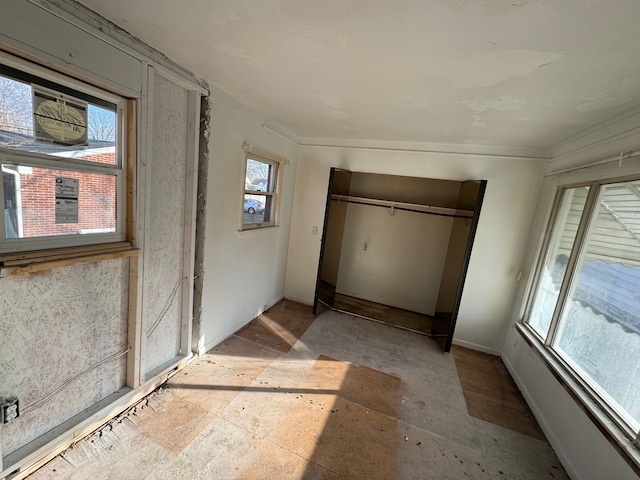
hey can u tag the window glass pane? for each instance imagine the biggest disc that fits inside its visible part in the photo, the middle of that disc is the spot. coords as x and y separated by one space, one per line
563 236
41 202
599 329
257 209
65 126
259 176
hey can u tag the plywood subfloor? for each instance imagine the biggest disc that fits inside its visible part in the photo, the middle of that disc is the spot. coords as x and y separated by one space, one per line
491 394
338 397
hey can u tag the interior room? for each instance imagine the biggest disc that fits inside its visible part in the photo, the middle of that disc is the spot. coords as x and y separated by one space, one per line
217 215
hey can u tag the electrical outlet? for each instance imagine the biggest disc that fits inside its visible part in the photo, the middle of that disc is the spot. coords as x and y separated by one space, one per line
9 410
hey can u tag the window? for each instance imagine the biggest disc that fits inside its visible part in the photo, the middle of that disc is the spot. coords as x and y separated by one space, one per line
585 304
61 157
261 186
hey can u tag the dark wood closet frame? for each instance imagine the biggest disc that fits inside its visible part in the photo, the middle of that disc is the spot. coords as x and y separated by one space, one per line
468 207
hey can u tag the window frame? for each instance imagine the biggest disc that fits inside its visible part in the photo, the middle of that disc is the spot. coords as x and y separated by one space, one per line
18 158
610 421
277 162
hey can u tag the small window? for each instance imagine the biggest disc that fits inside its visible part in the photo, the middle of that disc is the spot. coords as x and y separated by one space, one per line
61 158
261 186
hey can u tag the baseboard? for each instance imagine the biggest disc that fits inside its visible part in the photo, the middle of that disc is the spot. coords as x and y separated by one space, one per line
236 326
549 433
304 301
476 346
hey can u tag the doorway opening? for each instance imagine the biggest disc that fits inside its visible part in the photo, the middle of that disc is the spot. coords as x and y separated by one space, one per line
396 249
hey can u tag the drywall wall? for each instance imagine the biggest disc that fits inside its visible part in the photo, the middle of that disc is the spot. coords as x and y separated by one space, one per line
55 327
584 452
579 443
165 241
394 259
243 271
512 191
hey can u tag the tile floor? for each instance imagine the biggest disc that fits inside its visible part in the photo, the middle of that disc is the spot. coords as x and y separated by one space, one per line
336 397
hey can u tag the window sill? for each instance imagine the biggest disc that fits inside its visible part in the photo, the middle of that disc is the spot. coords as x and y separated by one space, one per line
42 260
253 229
618 437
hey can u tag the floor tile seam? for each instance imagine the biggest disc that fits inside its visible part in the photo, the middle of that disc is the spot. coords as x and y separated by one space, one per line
206 411
217 415
262 346
524 411
520 412
210 412
435 383
305 459
253 434
446 439
391 371
539 443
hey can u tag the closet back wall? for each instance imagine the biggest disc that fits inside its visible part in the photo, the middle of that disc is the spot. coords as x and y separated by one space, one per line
395 260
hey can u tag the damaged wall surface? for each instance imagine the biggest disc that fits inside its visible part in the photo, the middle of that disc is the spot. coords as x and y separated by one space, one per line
85 338
244 271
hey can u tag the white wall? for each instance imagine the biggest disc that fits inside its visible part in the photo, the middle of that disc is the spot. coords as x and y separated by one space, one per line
243 271
582 448
584 452
511 196
403 260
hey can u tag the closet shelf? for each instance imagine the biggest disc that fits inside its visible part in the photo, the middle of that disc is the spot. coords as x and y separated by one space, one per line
412 207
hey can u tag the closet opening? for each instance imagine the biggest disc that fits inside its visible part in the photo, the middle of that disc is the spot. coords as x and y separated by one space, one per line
395 249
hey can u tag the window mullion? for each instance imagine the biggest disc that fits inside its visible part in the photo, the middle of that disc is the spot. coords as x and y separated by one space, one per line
546 242
3 224
581 234
57 163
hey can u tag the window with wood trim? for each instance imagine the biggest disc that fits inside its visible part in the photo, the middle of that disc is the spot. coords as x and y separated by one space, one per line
61 152
584 306
261 187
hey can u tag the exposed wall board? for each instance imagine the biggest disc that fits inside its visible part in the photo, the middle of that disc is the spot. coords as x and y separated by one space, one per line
395 260
165 237
53 327
513 187
33 30
59 324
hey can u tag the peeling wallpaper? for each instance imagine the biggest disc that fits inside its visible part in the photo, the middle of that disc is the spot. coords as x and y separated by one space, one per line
54 327
163 273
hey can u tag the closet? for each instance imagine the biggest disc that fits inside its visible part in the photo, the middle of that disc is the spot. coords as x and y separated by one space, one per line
399 242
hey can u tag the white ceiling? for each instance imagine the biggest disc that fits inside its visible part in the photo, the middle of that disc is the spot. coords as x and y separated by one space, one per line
523 73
